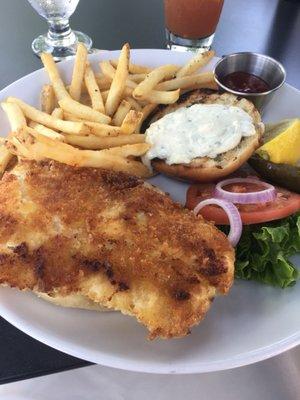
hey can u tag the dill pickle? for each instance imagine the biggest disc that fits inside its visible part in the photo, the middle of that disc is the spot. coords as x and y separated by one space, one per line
285 175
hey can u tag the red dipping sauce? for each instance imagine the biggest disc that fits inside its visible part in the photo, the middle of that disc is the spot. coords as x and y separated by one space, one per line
244 82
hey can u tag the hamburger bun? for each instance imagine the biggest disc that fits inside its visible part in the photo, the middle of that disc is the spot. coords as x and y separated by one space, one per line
207 169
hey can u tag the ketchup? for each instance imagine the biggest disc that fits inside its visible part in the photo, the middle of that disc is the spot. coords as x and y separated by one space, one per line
244 82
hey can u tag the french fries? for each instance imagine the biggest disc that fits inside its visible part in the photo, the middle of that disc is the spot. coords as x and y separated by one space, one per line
109 71
97 143
197 62
162 97
119 82
134 68
58 113
50 121
137 77
17 146
188 82
82 111
127 92
152 79
146 111
57 83
131 121
14 114
44 147
121 113
43 130
96 128
103 81
5 157
48 100
135 105
78 72
93 90
17 121
103 129
85 99
134 150
96 120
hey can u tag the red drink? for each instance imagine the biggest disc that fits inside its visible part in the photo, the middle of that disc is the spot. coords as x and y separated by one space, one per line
192 19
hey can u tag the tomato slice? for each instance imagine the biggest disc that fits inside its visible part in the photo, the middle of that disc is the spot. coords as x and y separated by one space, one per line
285 204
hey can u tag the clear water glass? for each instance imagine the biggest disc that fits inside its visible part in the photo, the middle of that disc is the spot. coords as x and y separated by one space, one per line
60 40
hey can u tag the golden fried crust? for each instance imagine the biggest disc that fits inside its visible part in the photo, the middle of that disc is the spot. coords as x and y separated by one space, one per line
114 239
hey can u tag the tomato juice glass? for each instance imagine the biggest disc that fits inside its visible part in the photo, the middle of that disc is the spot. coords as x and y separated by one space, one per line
191 24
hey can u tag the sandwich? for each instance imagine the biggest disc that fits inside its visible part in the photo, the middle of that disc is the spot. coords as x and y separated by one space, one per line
204 136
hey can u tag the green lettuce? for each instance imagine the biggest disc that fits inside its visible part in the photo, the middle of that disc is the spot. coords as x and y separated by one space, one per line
264 251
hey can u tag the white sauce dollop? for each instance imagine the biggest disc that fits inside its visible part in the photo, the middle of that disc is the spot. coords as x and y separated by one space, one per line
201 130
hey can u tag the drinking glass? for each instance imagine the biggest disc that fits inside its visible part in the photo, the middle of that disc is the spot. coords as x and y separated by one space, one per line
60 40
191 24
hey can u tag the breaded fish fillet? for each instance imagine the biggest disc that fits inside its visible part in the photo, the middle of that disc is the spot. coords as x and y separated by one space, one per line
112 239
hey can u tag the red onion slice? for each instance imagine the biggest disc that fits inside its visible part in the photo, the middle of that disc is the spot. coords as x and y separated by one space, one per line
262 196
233 214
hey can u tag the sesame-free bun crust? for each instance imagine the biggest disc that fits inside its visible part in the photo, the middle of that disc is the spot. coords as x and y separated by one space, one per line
206 169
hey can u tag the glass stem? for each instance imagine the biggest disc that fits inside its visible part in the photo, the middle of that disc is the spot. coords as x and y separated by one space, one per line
60 34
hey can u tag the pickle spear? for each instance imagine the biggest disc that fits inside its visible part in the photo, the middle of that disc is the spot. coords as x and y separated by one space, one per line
284 175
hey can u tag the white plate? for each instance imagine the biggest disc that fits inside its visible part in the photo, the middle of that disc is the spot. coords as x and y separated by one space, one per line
252 323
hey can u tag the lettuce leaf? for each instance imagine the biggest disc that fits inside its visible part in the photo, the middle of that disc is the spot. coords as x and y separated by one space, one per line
264 250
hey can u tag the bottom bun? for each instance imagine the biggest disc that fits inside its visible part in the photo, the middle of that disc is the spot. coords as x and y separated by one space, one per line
212 169
203 170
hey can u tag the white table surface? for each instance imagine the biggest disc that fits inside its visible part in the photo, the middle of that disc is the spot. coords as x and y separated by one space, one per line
274 379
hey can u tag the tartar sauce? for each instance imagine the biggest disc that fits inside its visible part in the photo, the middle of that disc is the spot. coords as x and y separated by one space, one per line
201 130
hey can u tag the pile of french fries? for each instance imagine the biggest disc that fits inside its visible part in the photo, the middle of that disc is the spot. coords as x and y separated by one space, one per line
95 121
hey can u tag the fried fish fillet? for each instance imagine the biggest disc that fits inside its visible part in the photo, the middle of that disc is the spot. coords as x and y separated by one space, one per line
112 239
